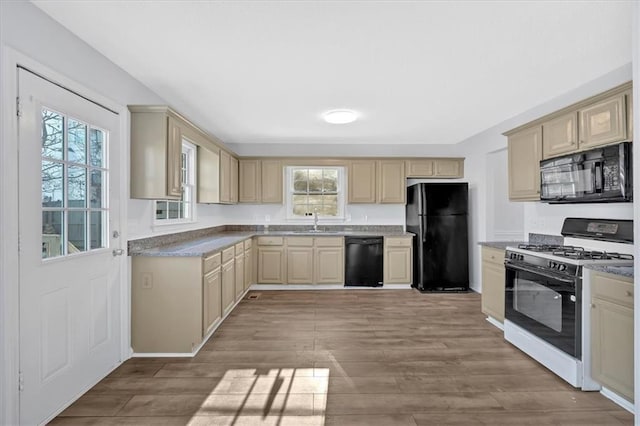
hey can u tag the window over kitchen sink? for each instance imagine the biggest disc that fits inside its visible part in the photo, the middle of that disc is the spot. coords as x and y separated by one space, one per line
182 210
315 189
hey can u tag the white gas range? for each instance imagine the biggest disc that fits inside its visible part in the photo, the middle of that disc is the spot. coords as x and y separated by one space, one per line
544 291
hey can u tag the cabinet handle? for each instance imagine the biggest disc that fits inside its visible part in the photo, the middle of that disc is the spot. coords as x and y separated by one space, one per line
629 293
593 306
573 142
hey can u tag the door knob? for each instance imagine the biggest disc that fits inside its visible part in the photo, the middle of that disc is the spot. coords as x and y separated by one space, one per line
118 252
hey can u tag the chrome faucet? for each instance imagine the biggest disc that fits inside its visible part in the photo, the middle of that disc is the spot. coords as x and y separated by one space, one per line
315 220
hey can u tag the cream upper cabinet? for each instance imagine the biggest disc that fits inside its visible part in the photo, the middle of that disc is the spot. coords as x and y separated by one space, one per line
250 178
525 153
560 135
392 187
397 266
329 260
156 152
612 333
212 300
362 182
604 122
208 175
422 168
451 168
234 180
493 276
271 181
225 177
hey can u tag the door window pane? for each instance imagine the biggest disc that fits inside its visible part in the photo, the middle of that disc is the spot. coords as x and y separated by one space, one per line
52 184
96 149
96 229
77 141
52 239
95 189
77 187
52 135
77 229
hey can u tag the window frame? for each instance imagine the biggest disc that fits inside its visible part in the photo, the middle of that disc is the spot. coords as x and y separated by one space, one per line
341 192
189 186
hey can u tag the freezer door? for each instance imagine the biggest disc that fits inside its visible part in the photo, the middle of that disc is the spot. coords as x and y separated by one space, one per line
444 199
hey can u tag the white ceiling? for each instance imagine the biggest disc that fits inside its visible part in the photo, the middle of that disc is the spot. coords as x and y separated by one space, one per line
418 72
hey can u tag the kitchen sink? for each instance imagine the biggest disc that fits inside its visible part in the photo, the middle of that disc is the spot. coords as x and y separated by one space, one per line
313 231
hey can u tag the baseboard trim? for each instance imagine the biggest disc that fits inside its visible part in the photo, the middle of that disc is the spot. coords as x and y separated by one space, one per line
611 395
276 287
495 323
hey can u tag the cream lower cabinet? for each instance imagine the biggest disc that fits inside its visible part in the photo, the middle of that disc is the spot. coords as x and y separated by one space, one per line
248 264
212 300
612 332
493 276
328 260
397 266
228 279
271 260
300 260
239 270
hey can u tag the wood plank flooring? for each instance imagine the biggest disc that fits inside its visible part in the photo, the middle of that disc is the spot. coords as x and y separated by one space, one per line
358 357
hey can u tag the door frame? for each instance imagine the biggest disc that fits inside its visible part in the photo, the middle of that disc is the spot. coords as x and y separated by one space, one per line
9 246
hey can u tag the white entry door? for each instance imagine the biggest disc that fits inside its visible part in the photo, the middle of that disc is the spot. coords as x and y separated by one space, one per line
70 267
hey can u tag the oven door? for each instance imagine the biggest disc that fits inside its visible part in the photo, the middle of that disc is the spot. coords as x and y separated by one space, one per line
546 305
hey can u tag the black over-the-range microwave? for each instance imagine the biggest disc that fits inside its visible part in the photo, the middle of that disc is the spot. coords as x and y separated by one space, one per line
601 174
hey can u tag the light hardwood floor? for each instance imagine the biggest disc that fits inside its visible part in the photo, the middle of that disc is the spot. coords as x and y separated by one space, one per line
356 357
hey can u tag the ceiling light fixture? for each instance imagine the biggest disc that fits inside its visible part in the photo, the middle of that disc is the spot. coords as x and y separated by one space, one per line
340 116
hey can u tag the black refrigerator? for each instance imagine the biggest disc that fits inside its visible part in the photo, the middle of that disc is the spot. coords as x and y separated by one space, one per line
437 215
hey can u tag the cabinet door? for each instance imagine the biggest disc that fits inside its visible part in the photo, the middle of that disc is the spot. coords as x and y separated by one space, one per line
397 265
270 265
329 265
493 276
228 286
419 168
225 177
271 187
234 180
174 159
525 153
239 281
612 346
208 175
299 265
248 269
450 168
249 175
603 122
392 186
362 182
212 309
560 135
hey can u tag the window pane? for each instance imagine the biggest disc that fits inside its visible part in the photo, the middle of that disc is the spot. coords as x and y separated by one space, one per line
328 210
174 209
330 180
315 199
77 186
161 209
52 184
300 210
51 234
95 229
77 231
52 134
300 180
77 141
299 199
96 150
330 199
95 188
315 180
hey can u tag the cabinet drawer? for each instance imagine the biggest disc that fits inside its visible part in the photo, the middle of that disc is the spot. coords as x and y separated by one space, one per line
300 241
329 242
247 244
398 241
493 255
228 254
239 248
212 262
613 288
270 241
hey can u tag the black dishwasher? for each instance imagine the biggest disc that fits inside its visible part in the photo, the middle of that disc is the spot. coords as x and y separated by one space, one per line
363 261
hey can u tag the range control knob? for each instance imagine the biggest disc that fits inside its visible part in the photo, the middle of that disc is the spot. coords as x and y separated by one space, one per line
562 267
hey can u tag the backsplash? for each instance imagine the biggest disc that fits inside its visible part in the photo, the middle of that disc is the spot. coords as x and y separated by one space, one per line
546 239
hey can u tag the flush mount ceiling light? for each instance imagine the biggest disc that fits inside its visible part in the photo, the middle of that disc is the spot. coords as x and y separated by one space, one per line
340 116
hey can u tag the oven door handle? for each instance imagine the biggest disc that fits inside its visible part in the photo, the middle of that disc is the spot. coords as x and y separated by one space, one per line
538 272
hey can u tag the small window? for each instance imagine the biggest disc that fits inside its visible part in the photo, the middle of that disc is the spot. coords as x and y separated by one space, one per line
183 210
315 189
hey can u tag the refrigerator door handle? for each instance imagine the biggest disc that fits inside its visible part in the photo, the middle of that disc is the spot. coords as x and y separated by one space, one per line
423 231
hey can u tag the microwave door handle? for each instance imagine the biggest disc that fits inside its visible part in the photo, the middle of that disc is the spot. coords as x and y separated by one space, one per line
538 272
597 176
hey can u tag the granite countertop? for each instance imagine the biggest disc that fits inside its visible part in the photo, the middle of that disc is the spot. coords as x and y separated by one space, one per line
203 246
625 271
500 244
